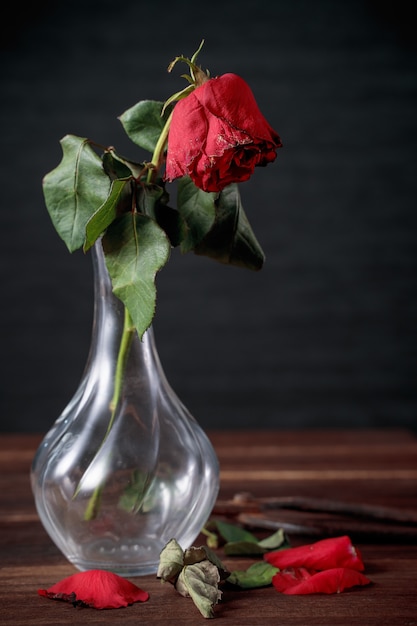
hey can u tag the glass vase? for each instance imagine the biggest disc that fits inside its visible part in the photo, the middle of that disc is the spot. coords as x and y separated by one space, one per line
114 483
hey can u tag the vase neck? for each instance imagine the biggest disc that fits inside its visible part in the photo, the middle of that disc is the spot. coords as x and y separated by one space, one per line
102 281
109 316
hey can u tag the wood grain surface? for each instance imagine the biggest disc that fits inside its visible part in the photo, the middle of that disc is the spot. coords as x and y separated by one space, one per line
376 468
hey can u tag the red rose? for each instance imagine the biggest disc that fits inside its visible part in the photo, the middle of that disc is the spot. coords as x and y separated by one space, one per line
218 135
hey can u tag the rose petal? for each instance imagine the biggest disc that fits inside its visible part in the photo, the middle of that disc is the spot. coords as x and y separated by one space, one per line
331 552
96 588
299 581
218 135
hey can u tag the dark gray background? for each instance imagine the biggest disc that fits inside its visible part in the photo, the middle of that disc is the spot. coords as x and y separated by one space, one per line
325 334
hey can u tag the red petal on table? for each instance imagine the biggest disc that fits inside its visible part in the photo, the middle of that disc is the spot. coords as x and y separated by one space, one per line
299 581
332 552
96 588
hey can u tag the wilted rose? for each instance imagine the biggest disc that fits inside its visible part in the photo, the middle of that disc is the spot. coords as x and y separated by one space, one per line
218 135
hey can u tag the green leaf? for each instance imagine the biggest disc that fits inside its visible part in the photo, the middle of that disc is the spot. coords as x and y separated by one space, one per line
171 561
117 166
277 541
231 532
135 249
107 213
200 582
133 496
212 538
241 542
143 123
244 548
257 575
170 221
198 211
231 239
74 190
152 200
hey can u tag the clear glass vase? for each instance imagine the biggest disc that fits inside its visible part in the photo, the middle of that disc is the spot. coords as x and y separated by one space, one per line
113 484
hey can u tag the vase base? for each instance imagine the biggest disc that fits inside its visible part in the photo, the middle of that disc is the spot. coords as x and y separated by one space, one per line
122 569
129 559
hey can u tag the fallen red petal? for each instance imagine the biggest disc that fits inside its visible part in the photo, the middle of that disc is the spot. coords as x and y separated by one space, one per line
96 588
321 555
299 581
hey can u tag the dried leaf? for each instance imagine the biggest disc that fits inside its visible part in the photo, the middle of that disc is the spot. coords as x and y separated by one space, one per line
171 561
196 555
195 573
200 582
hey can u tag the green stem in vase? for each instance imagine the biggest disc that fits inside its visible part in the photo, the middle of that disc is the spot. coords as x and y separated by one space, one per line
125 343
126 340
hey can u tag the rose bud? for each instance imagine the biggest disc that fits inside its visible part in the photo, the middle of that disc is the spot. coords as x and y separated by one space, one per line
218 135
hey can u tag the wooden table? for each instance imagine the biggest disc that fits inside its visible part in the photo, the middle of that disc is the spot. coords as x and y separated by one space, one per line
374 467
